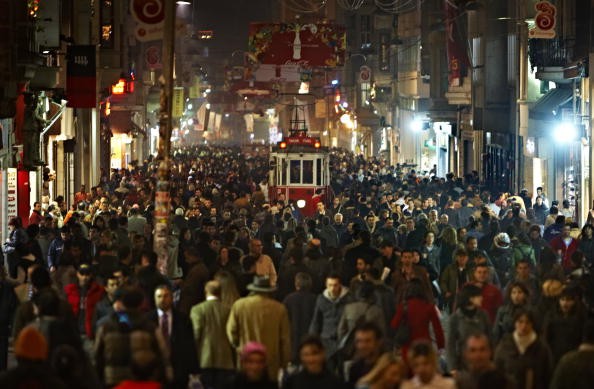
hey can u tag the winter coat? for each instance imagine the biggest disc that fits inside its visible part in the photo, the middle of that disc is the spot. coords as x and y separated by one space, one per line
94 294
563 333
120 336
502 259
300 307
420 314
461 325
449 282
504 321
208 321
359 311
535 365
575 370
326 317
304 379
262 319
557 244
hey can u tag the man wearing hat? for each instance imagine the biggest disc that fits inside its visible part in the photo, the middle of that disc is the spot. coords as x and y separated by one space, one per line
31 351
83 297
258 317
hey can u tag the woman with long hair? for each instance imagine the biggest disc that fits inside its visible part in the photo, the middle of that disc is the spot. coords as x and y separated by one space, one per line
229 291
388 373
517 298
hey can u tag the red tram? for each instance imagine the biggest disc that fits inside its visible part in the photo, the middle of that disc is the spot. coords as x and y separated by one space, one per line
300 171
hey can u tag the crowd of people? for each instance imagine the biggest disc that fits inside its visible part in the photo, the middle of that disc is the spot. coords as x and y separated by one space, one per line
396 281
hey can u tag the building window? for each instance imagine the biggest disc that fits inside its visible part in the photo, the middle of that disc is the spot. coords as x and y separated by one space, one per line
408 55
106 18
365 31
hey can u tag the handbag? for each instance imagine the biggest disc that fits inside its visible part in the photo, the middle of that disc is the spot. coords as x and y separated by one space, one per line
402 335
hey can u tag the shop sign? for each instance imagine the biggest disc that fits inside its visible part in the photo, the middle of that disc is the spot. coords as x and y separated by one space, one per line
544 21
11 193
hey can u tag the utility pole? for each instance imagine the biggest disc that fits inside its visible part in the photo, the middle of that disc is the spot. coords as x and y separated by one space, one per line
162 196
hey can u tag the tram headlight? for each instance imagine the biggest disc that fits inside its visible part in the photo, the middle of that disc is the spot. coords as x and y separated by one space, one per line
301 203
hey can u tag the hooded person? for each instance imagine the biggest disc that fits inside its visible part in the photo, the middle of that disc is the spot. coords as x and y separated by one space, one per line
501 255
31 351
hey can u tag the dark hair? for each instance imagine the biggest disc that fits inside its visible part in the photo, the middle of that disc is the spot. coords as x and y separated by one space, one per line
414 289
370 327
527 313
520 285
333 276
47 302
132 298
151 256
304 281
248 262
311 340
365 291
467 292
40 278
422 348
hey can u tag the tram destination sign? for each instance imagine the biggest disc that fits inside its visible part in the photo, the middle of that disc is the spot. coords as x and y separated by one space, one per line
301 141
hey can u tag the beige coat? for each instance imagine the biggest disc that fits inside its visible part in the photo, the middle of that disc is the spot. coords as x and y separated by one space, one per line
262 319
214 350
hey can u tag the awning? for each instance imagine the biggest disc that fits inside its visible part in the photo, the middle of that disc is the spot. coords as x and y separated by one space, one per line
548 106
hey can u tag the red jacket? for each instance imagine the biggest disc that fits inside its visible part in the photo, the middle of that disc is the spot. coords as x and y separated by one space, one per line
566 251
492 300
94 295
419 314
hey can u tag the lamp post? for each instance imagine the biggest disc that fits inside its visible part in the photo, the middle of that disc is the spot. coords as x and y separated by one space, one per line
162 197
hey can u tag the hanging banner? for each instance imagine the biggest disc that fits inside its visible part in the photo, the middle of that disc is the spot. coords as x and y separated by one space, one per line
81 80
544 21
177 108
306 45
149 16
456 53
12 193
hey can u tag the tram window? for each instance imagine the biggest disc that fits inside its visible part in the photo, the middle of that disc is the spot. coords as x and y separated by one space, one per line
295 173
308 172
318 172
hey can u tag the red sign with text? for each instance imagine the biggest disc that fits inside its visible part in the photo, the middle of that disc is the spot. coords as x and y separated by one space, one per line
306 45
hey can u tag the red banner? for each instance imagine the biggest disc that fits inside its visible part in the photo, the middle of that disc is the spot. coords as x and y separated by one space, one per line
81 88
306 45
457 57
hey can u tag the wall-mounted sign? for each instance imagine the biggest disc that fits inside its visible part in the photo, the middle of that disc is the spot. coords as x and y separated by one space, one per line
11 193
544 21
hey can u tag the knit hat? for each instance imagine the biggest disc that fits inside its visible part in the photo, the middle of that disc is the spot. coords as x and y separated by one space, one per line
251 348
502 240
31 345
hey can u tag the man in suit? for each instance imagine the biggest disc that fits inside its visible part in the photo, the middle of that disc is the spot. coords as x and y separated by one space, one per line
209 319
177 332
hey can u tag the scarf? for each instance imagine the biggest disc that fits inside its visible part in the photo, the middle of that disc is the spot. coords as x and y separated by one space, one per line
523 342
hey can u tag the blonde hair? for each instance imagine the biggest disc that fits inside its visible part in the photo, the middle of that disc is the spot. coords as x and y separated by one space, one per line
375 376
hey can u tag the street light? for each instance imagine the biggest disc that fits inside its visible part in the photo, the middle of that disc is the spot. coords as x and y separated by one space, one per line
565 132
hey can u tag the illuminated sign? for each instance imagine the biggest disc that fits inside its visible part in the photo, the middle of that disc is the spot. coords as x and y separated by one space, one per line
300 141
119 88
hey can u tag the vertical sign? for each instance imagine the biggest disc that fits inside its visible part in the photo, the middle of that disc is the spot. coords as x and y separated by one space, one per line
544 21
177 108
456 53
81 88
11 193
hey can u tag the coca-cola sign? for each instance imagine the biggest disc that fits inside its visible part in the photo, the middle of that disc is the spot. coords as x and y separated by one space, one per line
304 45
148 11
